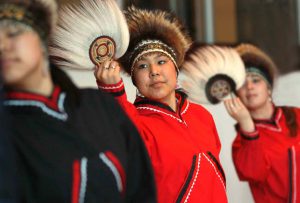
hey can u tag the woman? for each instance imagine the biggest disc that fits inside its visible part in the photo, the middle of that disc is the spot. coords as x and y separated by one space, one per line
71 145
266 147
181 137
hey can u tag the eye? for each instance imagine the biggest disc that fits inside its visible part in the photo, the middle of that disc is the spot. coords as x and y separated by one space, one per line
161 62
142 66
14 33
256 80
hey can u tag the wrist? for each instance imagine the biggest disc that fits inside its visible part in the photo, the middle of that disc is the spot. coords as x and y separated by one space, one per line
247 125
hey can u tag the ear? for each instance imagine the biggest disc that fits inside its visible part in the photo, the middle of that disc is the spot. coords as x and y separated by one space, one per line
269 91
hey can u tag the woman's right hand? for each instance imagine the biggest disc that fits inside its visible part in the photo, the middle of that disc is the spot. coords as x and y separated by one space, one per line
240 113
108 72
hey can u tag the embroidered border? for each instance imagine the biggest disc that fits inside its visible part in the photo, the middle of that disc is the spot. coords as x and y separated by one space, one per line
195 179
155 110
61 115
113 169
215 171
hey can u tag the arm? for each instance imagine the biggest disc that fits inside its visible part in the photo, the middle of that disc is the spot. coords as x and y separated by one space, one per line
109 81
250 160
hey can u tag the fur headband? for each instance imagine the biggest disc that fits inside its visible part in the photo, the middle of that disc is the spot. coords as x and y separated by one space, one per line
252 56
41 15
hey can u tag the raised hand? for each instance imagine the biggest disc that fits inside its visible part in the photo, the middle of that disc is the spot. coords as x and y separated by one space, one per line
240 113
108 72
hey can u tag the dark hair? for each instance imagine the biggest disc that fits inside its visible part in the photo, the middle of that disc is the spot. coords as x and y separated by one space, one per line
60 78
291 120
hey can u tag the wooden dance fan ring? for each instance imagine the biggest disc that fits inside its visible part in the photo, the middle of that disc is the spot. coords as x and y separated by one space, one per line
102 49
218 87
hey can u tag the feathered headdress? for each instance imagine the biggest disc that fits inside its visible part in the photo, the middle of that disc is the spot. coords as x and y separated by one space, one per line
154 31
211 73
88 34
257 60
41 15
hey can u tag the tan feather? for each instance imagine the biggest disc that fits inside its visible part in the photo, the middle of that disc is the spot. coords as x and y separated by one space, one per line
204 63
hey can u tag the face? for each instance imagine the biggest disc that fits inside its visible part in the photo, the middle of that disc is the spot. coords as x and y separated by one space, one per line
255 93
156 77
21 55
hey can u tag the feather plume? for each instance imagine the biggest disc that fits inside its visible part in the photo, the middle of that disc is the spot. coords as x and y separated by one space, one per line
79 25
204 65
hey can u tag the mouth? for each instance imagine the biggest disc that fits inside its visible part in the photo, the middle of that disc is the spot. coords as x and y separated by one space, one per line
6 62
157 84
250 96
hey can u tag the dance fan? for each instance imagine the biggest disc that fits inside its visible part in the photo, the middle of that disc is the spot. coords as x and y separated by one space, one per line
88 34
211 73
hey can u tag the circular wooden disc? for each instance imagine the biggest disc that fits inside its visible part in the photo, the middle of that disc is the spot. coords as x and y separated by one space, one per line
220 89
103 48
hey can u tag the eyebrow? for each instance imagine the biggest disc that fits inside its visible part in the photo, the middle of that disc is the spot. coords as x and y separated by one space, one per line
157 56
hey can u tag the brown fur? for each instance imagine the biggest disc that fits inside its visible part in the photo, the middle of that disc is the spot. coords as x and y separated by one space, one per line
44 12
159 25
254 55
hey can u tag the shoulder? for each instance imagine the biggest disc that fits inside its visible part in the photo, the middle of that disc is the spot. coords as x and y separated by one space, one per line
290 108
90 95
99 102
198 108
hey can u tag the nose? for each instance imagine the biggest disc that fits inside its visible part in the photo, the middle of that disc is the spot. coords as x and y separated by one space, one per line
249 84
154 70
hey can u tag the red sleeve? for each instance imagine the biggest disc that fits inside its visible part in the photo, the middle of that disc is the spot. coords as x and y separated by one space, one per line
250 160
118 91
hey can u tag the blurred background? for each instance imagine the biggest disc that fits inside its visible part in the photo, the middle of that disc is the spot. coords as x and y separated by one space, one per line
273 25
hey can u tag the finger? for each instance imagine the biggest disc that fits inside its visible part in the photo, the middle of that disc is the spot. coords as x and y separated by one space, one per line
113 64
106 64
227 106
98 71
240 103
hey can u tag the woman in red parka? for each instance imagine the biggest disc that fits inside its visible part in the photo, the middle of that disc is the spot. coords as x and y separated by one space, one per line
266 150
180 136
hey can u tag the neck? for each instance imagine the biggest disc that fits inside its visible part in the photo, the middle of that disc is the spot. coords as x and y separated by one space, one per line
171 101
264 112
39 82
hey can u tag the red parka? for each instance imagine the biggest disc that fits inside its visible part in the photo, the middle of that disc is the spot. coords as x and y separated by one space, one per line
269 159
183 146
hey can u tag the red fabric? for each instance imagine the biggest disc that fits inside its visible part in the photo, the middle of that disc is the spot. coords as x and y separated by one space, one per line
51 101
76 182
184 149
119 167
264 161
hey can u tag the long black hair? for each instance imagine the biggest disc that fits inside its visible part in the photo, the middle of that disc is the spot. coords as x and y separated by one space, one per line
291 120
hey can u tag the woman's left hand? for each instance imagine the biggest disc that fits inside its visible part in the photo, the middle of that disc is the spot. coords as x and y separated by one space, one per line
108 72
240 113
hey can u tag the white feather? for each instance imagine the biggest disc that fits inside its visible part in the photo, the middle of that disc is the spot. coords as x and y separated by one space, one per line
79 25
206 62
